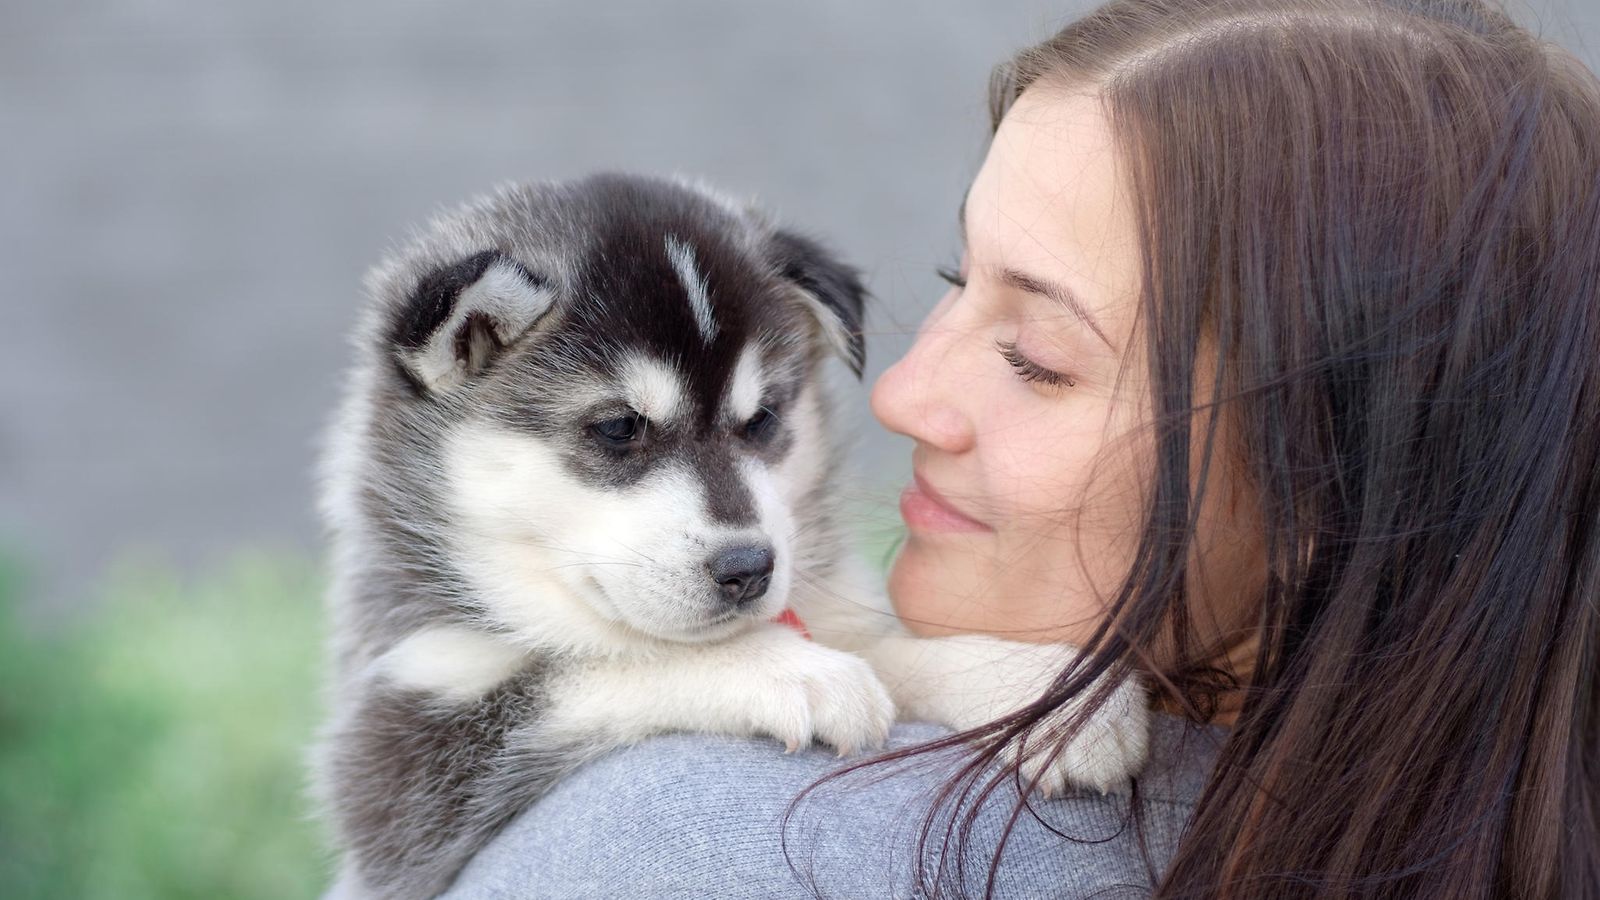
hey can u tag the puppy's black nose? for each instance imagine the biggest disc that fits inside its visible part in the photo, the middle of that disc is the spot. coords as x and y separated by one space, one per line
742 573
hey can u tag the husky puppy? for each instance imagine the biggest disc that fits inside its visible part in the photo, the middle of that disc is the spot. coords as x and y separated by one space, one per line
579 492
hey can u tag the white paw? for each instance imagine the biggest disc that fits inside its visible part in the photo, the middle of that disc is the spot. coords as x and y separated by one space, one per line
1103 755
804 692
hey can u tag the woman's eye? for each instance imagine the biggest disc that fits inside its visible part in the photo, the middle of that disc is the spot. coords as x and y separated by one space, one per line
952 276
1027 369
621 431
761 424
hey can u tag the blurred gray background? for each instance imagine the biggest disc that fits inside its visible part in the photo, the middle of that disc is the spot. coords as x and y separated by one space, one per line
192 190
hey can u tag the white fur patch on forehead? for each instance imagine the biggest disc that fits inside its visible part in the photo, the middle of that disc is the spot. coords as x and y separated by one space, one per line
744 394
681 256
653 388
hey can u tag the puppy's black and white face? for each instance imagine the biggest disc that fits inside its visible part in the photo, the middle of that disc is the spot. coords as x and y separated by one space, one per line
631 408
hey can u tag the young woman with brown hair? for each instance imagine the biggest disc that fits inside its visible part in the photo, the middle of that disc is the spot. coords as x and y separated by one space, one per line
1271 370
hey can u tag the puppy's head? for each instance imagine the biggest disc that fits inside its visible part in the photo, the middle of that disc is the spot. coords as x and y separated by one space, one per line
614 385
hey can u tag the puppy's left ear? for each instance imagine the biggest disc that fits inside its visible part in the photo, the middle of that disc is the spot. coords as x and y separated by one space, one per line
831 291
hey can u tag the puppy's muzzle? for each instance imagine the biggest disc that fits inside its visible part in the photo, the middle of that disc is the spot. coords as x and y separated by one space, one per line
742 572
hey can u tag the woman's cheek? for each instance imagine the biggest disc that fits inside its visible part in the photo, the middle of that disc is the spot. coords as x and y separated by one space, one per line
1040 464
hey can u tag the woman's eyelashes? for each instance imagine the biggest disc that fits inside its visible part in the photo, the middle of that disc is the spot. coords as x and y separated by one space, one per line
1028 370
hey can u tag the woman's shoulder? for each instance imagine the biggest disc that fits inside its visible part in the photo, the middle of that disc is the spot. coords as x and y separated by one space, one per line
699 815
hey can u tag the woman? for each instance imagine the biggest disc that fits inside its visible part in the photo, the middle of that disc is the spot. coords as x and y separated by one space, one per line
1271 370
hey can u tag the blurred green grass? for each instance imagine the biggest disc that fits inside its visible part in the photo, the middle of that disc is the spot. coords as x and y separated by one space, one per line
154 748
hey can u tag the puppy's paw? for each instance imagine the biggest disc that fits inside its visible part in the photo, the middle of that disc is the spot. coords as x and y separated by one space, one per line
1106 751
851 708
809 692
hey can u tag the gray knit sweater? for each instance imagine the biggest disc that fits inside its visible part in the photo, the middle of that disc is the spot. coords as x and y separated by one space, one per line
700 816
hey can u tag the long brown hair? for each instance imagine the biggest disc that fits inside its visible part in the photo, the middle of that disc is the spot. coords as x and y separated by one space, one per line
1385 215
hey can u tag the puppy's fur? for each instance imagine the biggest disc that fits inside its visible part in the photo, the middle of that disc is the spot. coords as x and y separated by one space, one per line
583 462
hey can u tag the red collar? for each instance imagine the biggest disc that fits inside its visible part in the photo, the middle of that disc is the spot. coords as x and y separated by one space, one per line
788 617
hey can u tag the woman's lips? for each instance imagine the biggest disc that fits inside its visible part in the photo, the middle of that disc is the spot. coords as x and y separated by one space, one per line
924 510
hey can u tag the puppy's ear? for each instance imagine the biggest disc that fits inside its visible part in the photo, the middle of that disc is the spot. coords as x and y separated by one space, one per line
461 316
830 290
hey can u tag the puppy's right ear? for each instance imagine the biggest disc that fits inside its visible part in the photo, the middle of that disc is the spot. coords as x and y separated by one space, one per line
462 316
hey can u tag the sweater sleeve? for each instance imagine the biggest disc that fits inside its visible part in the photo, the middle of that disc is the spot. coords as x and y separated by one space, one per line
704 816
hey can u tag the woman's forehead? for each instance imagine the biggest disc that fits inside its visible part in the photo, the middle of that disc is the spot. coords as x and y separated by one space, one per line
1051 200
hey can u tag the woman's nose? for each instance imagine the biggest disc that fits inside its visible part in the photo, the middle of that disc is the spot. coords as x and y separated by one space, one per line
920 395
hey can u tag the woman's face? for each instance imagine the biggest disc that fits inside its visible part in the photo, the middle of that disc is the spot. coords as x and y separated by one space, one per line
1025 393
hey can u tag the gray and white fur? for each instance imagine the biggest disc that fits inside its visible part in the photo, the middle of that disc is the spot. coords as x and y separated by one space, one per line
583 461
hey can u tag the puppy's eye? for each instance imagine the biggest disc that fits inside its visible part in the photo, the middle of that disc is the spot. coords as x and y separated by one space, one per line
762 424
622 431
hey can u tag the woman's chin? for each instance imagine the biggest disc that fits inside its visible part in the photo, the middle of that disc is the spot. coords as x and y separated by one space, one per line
920 588
936 593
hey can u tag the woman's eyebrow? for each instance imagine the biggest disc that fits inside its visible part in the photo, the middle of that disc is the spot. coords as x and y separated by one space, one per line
1029 284
1068 300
